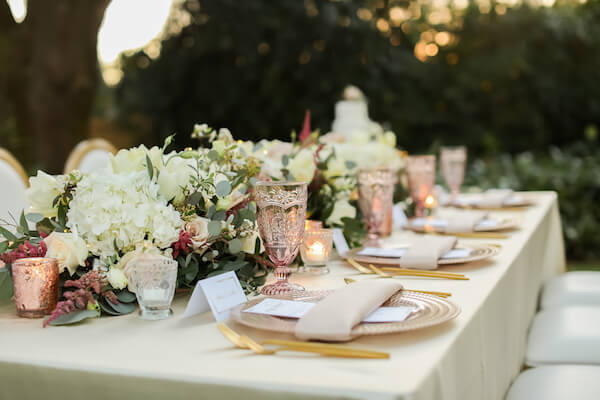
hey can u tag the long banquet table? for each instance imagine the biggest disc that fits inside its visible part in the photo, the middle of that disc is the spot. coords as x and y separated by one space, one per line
476 356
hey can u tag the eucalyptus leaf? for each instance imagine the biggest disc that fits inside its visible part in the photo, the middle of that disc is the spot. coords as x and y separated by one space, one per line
350 164
74 317
122 308
34 217
219 215
107 309
235 246
3 247
194 198
223 188
213 155
214 228
125 296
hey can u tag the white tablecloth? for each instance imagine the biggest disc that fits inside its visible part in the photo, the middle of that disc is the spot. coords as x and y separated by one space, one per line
474 357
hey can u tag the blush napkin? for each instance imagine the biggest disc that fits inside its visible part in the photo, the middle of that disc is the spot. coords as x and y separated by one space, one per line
494 198
464 221
425 252
333 318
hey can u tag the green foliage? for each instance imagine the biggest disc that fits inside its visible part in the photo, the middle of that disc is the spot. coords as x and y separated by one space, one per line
573 172
526 79
6 285
74 317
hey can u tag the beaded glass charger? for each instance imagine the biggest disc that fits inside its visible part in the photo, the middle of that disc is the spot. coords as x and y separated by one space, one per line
476 252
429 311
439 225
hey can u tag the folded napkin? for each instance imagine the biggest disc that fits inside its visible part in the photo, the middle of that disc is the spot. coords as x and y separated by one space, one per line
334 317
464 221
425 252
494 198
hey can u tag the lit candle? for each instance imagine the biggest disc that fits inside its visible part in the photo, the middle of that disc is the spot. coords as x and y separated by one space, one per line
430 201
316 247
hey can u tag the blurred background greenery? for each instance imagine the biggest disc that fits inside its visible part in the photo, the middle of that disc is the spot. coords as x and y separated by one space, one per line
517 81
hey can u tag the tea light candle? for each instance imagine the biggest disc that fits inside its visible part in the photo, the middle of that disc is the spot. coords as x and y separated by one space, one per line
36 286
430 201
316 247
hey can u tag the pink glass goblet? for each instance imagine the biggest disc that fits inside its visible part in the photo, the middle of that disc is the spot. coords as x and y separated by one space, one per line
281 216
420 171
376 199
453 160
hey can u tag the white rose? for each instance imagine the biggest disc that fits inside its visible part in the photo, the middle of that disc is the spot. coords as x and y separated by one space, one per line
42 191
249 242
117 278
69 249
174 178
198 230
134 159
302 166
336 167
341 209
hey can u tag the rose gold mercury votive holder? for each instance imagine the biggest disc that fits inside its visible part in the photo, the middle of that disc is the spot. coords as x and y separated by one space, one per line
36 286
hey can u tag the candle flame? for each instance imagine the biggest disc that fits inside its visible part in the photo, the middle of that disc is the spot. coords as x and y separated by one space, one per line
317 248
430 201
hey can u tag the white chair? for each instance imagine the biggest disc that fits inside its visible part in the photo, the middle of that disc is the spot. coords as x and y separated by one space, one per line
13 181
90 155
571 289
565 335
557 382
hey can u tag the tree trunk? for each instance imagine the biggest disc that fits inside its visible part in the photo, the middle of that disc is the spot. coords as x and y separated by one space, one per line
53 75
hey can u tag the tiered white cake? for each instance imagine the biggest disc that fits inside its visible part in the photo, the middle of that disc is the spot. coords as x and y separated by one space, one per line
351 113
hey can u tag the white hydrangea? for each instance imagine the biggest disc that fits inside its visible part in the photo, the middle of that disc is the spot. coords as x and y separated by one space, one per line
116 212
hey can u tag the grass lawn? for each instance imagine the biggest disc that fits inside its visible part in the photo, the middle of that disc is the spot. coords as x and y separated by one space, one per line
583 265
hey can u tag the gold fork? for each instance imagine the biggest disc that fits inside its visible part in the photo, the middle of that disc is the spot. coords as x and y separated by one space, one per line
244 342
439 294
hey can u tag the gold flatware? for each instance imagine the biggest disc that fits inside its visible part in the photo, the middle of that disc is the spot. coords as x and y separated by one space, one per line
245 342
471 235
425 273
405 272
379 272
432 292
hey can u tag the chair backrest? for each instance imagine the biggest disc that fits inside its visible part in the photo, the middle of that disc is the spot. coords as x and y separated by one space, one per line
13 181
90 155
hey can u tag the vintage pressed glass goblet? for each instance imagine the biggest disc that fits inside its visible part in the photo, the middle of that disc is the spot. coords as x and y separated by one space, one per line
376 199
154 280
453 160
420 171
281 216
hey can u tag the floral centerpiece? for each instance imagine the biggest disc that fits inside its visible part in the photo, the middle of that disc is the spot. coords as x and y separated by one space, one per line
329 164
192 206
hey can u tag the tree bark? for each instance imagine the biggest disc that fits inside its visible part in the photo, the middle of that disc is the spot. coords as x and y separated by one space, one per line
52 75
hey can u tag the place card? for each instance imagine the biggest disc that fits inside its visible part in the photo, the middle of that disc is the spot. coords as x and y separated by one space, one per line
341 245
296 309
399 217
399 252
218 293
